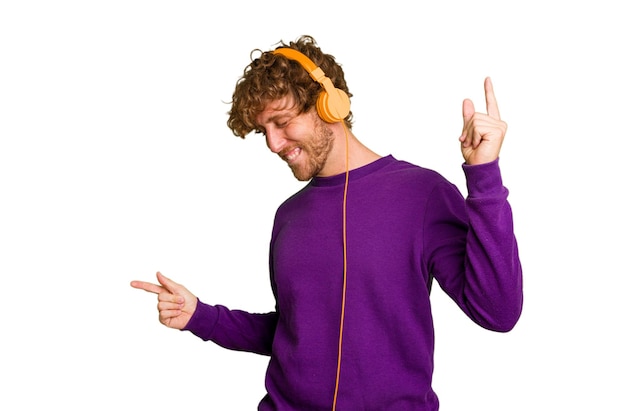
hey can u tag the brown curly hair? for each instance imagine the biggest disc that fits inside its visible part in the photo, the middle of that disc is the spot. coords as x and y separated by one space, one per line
271 77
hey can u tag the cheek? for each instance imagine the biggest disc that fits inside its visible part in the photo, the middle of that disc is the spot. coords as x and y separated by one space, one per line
295 131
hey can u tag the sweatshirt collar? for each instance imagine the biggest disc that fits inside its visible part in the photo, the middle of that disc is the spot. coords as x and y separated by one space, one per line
353 174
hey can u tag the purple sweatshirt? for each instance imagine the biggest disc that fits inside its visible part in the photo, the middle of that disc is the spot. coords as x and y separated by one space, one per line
405 226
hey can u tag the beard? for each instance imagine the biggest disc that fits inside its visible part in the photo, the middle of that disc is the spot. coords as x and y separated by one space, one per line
316 149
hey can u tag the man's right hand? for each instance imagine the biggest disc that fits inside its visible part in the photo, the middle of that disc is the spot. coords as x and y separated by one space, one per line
176 303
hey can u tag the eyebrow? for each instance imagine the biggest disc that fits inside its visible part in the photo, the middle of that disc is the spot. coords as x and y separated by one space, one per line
278 116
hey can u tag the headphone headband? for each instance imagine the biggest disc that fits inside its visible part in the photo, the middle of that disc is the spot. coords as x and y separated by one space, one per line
333 104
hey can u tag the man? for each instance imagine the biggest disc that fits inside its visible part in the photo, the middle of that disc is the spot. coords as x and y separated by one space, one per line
353 254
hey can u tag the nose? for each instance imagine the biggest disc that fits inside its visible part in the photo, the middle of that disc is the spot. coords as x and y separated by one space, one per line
274 139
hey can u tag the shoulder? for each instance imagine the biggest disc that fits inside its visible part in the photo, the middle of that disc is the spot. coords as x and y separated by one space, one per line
409 172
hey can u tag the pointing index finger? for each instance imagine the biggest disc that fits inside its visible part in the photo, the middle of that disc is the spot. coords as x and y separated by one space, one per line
490 97
149 287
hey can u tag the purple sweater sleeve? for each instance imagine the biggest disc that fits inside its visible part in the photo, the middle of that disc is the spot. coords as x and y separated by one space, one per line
478 265
233 329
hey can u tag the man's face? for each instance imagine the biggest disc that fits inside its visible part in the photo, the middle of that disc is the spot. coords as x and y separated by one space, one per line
304 141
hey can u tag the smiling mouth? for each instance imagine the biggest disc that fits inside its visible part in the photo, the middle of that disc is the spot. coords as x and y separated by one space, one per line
291 154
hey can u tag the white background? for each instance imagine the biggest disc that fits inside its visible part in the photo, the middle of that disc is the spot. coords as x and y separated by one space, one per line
116 162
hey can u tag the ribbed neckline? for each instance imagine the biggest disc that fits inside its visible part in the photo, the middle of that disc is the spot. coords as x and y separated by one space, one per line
354 174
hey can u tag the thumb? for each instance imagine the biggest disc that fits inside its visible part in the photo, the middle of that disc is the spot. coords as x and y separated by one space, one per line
168 284
468 110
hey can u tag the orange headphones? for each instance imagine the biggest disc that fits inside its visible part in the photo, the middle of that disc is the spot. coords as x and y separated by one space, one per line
333 104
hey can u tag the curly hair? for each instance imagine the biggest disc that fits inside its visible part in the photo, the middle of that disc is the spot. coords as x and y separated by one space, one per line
271 77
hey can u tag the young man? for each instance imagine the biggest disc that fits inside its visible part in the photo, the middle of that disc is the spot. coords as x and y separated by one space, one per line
353 254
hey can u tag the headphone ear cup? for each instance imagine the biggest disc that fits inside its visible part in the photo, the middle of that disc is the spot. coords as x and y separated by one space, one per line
333 107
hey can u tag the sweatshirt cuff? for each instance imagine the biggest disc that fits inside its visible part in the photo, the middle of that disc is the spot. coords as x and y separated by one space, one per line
202 321
484 180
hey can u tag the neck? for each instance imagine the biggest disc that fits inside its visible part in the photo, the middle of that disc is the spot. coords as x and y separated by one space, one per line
358 154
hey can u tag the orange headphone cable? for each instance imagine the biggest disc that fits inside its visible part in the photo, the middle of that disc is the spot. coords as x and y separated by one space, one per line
345 270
